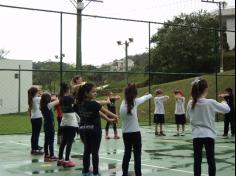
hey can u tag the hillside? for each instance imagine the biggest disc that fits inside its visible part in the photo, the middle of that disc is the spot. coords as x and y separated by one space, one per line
20 123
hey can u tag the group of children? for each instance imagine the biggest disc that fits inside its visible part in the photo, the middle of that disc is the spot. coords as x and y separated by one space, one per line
80 112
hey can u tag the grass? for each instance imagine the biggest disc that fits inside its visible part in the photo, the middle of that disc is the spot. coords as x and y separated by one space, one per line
20 123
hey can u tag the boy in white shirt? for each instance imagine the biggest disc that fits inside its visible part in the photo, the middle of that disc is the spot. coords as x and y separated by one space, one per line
180 118
159 113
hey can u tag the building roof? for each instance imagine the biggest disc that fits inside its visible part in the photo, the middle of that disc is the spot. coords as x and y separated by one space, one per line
225 12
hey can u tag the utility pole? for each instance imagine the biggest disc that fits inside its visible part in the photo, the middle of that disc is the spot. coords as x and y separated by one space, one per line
126 43
79 5
221 5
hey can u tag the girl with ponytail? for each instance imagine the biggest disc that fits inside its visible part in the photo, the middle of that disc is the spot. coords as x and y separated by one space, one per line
201 112
130 127
91 112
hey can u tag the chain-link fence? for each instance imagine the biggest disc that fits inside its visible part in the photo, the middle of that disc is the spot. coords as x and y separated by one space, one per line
168 62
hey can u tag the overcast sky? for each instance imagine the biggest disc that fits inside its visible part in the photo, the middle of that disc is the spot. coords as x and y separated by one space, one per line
35 35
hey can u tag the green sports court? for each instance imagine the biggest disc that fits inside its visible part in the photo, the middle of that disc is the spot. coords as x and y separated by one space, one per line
161 156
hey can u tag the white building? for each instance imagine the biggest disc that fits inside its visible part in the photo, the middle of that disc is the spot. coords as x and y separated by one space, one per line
228 16
13 98
120 65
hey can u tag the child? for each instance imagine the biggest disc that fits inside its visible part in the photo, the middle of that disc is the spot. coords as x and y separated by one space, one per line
180 118
229 117
36 119
130 127
90 125
69 126
47 104
75 83
159 113
201 112
111 107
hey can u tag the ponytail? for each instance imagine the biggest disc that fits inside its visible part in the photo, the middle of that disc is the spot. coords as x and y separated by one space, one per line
198 88
64 89
131 93
31 94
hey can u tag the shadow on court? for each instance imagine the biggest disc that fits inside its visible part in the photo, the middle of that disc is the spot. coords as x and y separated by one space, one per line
161 156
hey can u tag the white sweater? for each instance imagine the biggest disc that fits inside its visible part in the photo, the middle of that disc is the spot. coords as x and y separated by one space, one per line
202 117
179 106
159 104
130 121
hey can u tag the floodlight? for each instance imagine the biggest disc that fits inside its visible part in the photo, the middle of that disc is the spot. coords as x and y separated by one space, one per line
119 42
131 40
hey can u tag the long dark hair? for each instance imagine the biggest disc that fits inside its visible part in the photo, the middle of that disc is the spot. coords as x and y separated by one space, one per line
64 89
131 93
31 94
198 88
45 99
83 89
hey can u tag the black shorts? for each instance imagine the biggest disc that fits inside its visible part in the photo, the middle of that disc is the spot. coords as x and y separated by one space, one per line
180 119
159 118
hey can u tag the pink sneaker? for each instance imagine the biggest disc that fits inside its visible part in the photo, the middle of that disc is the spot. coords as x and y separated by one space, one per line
69 163
47 158
53 158
60 162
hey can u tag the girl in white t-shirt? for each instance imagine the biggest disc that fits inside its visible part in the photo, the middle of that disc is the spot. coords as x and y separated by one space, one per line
180 118
159 113
201 112
36 119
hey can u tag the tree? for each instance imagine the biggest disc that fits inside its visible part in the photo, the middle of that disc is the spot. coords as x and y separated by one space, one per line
186 49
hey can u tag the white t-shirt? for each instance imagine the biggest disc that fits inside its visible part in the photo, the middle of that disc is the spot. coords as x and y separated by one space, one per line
130 121
179 106
202 117
159 104
35 111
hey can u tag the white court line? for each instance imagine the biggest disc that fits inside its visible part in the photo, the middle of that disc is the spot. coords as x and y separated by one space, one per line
112 159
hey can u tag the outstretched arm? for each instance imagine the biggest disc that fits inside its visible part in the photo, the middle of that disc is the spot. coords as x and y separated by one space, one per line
107 113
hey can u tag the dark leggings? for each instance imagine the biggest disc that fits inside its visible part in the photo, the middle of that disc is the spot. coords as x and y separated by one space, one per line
229 120
49 141
209 144
132 141
59 133
108 125
92 141
68 135
36 127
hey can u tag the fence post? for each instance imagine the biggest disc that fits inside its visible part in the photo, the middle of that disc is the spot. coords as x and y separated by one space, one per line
19 89
149 70
216 69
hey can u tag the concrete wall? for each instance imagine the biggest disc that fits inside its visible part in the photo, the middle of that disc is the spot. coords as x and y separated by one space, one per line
9 86
230 23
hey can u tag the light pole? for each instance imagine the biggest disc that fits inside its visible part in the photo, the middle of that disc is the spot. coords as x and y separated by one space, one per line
126 43
61 65
221 5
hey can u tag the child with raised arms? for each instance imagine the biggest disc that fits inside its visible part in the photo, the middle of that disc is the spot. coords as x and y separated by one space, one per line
229 119
69 126
159 113
130 128
36 119
47 105
201 112
112 107
90 125
180 118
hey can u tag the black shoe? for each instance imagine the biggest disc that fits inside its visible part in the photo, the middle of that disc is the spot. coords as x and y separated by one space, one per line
156 133
40 148
163 134
225 135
